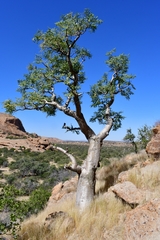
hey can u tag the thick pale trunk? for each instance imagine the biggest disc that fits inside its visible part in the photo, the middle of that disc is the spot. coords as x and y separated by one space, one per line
87 178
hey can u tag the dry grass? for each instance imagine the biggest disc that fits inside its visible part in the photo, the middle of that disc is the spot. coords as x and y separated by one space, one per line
91 224
147 177
107 175
104 214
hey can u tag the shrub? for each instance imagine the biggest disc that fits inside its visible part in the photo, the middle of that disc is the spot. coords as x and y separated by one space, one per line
3 160
38 199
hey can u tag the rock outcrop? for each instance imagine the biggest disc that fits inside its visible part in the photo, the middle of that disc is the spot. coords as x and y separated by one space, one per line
138 188
144 222
153 147
129 193
63 191
13 135
11 125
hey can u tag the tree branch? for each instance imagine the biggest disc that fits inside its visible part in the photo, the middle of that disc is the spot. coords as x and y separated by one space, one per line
72 129
105 131
73 167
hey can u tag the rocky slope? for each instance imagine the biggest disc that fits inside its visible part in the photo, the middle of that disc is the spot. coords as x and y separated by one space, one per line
137 188
153 147
13 135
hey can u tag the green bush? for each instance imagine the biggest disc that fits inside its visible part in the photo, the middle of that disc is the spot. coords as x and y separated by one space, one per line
38 199
3 160
16 211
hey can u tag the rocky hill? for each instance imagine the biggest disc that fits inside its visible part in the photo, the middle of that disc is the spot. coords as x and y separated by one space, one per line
13 135
11 125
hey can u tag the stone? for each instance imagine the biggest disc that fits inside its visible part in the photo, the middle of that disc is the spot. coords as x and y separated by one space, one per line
143 222
11 125
63 191
13 135
153 147
128 192
43 141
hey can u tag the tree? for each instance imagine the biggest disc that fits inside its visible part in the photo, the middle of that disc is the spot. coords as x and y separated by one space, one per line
144 135
129 137
61 62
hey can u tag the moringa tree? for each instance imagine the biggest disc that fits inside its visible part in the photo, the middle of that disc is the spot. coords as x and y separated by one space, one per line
60 62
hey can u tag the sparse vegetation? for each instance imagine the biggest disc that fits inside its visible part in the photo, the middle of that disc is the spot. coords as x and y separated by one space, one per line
16 137
92 224
34 174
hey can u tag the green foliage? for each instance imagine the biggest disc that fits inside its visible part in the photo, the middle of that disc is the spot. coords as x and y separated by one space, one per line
15 210
15 137
38 199
144 135
104 91
60 66
60 62
3 160
129 137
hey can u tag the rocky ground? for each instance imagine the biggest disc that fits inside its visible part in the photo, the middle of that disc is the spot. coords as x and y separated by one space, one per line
138 187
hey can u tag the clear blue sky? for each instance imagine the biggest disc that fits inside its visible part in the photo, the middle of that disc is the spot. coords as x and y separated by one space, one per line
130 26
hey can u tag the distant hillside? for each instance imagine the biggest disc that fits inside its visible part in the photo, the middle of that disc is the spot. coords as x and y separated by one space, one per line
14 135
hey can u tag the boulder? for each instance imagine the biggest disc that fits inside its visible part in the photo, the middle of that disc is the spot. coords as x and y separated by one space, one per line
44 142
128 192
63 191
11 125
153 147
143 222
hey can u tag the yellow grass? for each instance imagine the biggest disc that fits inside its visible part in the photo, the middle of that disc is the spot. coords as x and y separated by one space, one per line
104 214
91 224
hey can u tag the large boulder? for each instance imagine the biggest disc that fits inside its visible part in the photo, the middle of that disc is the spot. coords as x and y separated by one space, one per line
11 125
153 147
143 222
128 192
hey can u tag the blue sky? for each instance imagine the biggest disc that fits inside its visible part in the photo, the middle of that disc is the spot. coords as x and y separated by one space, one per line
130 26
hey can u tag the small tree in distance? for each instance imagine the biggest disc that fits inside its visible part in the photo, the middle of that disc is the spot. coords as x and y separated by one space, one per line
129 137
144 135
61 63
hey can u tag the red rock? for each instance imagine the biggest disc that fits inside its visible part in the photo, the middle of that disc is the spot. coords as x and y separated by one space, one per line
143 222
153 147
128 192
11 125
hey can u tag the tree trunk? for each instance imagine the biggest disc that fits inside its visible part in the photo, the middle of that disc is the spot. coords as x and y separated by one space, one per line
87 177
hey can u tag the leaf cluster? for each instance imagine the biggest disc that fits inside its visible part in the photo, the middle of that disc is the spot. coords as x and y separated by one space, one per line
104 91
60 62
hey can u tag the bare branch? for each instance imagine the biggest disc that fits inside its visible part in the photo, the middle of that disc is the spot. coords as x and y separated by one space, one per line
73 167
72 129
105 131
67 102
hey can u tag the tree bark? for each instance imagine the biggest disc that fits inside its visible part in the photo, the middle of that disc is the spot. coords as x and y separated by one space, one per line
87 177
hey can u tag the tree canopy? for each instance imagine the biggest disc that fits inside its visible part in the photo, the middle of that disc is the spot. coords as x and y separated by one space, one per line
61 61
54 82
